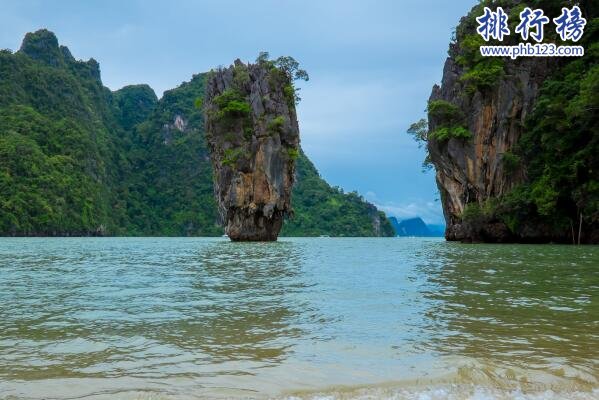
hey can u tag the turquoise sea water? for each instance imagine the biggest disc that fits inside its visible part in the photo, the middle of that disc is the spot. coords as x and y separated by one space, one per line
187 318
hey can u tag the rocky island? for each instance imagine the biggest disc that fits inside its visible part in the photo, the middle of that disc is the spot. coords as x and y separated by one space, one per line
253 135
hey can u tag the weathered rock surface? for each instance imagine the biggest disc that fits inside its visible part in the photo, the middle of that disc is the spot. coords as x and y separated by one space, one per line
253 135
472 171
513 140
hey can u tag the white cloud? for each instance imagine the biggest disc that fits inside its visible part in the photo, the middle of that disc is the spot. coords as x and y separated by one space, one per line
430 212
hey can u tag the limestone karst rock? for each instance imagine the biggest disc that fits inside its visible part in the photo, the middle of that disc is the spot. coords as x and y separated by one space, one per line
513 140
473 170
252 131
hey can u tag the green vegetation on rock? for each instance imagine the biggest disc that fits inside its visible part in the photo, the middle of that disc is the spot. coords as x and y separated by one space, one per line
276 124
560 146
281 70
541 146
450 121
480 73
232 104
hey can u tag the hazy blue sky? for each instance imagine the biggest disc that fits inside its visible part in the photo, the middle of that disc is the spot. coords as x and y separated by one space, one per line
372 65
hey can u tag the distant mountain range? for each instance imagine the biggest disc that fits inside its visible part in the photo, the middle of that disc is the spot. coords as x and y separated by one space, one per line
416 227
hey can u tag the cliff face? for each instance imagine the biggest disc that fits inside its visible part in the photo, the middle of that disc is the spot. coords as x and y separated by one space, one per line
474 170
509 139
253 135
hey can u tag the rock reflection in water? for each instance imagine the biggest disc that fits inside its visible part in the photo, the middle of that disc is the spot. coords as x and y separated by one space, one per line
241 301
212 304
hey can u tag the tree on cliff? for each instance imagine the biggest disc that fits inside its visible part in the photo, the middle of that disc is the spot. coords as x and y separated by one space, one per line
419 131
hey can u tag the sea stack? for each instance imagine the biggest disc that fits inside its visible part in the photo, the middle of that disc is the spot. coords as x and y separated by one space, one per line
253 136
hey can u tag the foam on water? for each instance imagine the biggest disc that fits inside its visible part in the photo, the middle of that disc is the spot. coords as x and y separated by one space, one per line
452 392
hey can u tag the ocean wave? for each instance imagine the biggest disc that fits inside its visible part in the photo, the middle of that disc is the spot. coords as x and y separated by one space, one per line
446 392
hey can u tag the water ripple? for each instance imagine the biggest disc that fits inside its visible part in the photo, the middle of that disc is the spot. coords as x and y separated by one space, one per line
187 318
